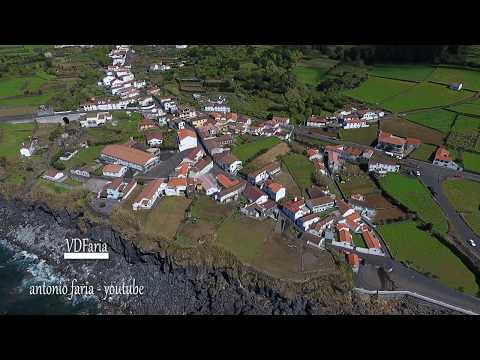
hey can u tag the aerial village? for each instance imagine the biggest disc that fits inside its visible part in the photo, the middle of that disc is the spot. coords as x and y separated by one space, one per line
204 162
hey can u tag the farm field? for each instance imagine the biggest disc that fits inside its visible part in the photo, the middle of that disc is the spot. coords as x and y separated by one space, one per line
265 250
470 108
248 151
403 72
414 195
375 90
311 72
445 75
424 95
441 120
300 168
11 138
364 136
271 155
471 161
428 255
385 210
358 185
464 195
84 157
466 124
401 127
425 152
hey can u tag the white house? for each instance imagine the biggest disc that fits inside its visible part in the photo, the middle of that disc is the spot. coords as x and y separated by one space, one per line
230 163
209 184
355 123
53 175
29 150
154 138
202 167
83 172
150 193
276 191
176 187
308 220
258 176
95 119
320 204
295 209
114 170
382 165
187 139
254 194
107 80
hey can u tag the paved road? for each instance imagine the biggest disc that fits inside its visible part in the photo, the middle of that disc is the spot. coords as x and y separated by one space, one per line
431 176
403 278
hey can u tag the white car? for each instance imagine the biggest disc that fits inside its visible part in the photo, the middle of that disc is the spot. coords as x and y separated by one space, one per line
472 243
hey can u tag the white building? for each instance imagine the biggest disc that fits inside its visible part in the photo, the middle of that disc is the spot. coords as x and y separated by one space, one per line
187 139
95 119
114 170
276 191
150 193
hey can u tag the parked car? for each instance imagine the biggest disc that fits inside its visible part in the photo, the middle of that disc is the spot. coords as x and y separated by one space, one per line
472 243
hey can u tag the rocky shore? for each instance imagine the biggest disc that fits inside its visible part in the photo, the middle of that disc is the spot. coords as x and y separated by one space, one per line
174 284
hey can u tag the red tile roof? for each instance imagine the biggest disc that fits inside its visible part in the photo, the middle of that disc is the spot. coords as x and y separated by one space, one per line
226 182
128 154
443 154
275 187
294 206
345 235
113 168
149 190
370 239
353 259
184 133
388 138
177 182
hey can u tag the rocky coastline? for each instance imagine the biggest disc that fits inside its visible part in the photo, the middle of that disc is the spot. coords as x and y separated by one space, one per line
174 284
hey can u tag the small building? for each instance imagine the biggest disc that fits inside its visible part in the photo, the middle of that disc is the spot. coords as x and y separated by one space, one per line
231 194
308 220
258 176
276 191
202 167
370 239
313 154
295 209
354 123
317 121
320 204
114 170
382 165
187 139
53 175
263 210
154 138
319 227
146 124
176 186
118 189
230 163
95 119
209 184
81 171
150 193
444 159
254 194
226 182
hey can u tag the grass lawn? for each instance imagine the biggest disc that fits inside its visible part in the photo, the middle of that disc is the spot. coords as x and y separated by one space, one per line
441 120
364 136
424 152
207 209
415 196
248 151
84 157
472 108
311 72
359 184
470 78
466 124
11 138
464 195
428 255
163 220
471 161
300 168
375 90
402 127
51 186
403 72
17 86
358 240
425 95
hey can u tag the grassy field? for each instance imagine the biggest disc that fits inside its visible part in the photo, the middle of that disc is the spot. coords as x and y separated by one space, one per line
415 196
471 161
441 120
359 185
470 78
11 138
17 86
401 127
364 136
248 151
403 72
358 240
424 152
51 187
424 95
464 195
428 255
472 108
311 72
466 124
300 168
84 157
375 90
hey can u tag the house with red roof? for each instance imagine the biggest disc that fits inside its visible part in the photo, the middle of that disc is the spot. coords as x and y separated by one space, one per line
295 209
53 175
334 157
319 227
176 186
114 170
444 159
344 233
117 189
187 139
308 220
370 239
317 121
320 204
149 195
353 261
275 190
313 153
254 194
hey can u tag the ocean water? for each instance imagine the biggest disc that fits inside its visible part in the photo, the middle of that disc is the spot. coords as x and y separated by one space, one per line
18 272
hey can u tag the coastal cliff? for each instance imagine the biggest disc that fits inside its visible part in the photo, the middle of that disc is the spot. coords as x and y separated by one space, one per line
182 281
